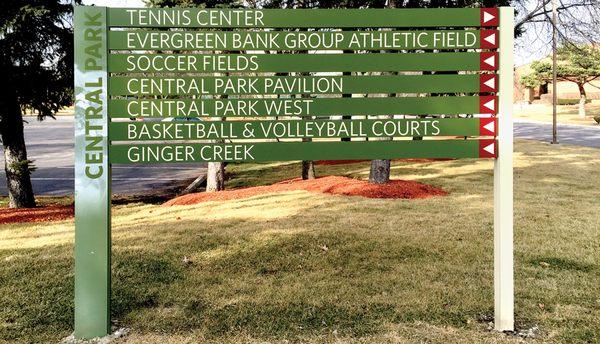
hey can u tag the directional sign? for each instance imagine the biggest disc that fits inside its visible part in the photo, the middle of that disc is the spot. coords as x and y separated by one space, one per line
488 149
245 63
302 40
257 85
294 129
301 18
162 85
488 61
489 39
488 83
488 126
488 104
489 17
269 107
265 151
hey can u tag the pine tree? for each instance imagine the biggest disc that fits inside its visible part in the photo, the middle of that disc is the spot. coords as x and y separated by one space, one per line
36 64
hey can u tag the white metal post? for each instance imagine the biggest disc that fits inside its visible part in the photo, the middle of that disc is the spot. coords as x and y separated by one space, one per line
554 81
503 183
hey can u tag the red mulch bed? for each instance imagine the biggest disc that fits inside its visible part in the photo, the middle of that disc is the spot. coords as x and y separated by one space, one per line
40 214
332 185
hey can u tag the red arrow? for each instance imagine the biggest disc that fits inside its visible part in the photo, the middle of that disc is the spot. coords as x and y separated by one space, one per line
488 148
488 83
488 126
489 39
489 17
488 104
488 61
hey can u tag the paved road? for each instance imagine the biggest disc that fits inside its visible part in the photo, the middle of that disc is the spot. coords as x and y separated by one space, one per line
50 145
580 135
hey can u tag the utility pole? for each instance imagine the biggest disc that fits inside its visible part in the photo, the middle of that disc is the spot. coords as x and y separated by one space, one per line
554 95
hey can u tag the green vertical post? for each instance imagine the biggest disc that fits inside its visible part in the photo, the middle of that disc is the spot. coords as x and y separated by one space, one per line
92 174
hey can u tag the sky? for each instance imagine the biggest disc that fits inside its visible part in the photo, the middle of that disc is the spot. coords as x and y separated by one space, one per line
531 46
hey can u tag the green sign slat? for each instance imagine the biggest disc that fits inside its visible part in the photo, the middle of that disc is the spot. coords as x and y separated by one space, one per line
282 40
292 107
286 151
317 18
213 130
173 63
128 85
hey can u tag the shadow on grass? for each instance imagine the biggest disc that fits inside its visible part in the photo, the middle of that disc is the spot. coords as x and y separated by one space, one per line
276 285
562 264
138 279
288 276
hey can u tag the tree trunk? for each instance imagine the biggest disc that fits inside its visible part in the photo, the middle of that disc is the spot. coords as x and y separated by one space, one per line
16 164
582 99
215 172
308 166
347 95
215 177
380 169
308 169
380 172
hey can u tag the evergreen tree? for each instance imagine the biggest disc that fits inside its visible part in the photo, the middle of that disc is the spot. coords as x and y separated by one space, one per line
36 64
577 64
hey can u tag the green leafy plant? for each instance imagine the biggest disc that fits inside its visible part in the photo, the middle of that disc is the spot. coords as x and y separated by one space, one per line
531 80
23 167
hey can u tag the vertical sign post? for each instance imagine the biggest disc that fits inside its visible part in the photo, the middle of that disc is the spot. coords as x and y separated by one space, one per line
92 175
503 183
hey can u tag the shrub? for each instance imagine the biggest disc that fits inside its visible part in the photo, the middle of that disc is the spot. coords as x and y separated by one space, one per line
597 119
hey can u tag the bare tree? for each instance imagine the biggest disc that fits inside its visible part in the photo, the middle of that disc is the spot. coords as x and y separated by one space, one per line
578 20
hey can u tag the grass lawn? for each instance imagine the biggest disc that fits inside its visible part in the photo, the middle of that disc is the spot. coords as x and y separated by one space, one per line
565 114
317 268
43 201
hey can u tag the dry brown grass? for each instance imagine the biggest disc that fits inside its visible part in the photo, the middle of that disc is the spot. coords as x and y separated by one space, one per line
315 268
565 114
